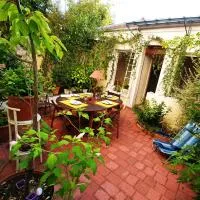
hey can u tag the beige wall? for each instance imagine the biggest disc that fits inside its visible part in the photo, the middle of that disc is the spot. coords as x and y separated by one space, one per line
140 79
173 118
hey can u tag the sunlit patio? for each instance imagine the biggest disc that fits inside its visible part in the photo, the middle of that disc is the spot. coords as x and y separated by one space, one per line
132 170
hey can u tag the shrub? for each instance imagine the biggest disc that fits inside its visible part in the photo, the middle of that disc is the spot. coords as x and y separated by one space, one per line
3 118
189 158
77 76
151 114
19 82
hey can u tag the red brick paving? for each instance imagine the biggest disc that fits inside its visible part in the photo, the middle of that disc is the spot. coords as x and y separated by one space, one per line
132 169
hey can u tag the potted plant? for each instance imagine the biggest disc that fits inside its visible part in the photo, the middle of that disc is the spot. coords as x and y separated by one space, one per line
18 87
3 127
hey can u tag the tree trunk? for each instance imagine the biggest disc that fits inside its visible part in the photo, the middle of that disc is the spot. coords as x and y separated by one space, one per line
35 74
35 85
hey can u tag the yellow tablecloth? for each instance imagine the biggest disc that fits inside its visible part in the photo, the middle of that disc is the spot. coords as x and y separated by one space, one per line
100 103
67 102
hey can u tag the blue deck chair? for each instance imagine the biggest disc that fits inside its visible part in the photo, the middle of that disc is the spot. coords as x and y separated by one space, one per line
187 136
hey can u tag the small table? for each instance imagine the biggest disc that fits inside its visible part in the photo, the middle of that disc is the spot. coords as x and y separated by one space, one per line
91 107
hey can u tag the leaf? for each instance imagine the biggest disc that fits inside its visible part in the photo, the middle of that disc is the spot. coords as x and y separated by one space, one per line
59 144
23 27
59 42
76 170
65 188
97 119
63 157
51 180
108 121
57 172
43 136
4 41
44 177
92 164
4 6
82 187
85 115
69 137
77 151
68 113
23 164
51 161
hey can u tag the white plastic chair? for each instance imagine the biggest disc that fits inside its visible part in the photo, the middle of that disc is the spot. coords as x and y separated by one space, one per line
14 122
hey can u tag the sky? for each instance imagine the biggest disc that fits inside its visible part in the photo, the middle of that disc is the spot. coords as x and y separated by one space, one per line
133 10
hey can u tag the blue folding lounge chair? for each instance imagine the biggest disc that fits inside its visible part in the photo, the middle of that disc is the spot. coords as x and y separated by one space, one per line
185 137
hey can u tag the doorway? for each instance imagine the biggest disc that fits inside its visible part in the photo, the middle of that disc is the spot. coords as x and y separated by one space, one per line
150 72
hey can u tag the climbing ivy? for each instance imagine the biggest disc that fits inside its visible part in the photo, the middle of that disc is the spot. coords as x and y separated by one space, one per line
176 50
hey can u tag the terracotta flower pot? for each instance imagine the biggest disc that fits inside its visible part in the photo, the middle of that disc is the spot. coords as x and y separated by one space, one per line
25 104
4 134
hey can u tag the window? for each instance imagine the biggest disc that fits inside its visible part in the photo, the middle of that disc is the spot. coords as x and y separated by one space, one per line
122 65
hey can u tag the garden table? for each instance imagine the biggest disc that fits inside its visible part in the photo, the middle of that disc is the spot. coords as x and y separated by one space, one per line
91 107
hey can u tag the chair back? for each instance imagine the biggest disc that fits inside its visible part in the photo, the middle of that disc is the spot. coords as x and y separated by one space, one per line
12 120
184 135
114 94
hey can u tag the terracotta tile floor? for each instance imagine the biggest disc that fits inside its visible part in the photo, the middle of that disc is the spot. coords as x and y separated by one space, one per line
131 171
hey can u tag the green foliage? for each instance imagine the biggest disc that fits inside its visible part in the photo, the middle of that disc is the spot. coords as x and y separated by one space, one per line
47 82
151 114
3 118
19 82
68 158
43 6
189 95
26 25
189 158
77 76
177 49
8 58
79 29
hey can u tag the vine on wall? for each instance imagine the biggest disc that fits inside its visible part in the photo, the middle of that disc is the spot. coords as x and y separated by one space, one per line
176 49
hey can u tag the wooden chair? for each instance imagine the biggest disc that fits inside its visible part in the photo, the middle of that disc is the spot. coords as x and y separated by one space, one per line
12 121
56 109
70 121
44 104
114 113
114 94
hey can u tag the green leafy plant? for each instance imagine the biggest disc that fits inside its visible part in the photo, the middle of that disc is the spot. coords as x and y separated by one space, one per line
77 77
29 30
189 172
69 158
3 118
189 96
151 114
17 82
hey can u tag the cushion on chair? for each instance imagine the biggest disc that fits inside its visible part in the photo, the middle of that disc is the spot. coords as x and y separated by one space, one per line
184 138
167 145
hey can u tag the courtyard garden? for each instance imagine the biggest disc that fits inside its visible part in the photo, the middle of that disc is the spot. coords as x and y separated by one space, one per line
65 135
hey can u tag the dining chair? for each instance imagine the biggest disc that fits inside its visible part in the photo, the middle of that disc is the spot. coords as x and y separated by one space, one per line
56 110
114 113
114 94
44 104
